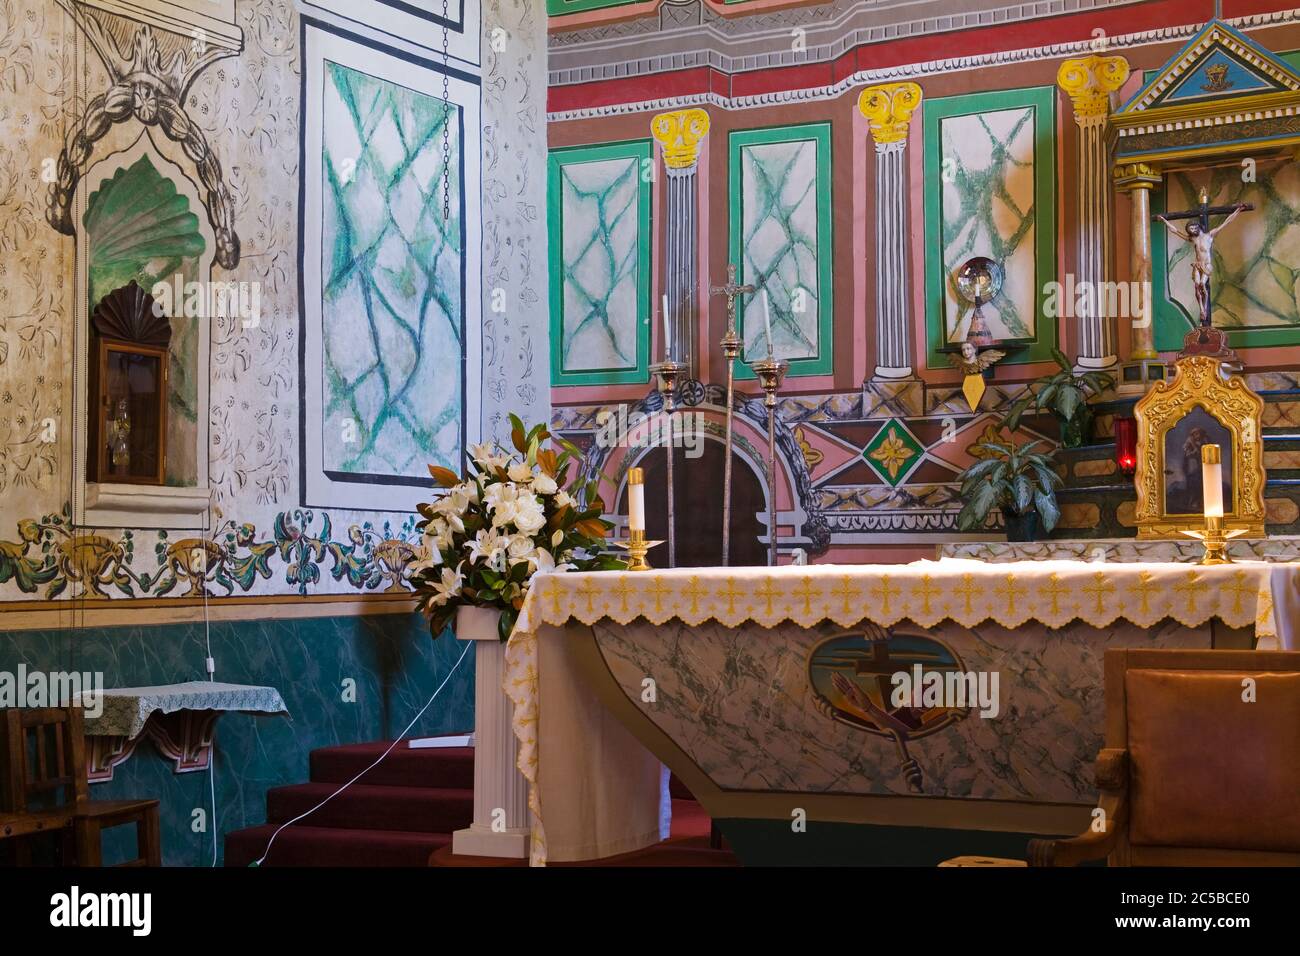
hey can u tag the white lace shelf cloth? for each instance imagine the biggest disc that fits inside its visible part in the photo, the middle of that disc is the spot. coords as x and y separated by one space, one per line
127 709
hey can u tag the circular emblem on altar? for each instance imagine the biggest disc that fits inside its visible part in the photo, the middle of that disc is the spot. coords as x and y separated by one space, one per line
875 680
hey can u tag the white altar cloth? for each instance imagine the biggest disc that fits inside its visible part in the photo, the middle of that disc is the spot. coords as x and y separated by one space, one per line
621 813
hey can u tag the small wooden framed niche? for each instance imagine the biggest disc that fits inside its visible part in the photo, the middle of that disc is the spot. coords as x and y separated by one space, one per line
128 388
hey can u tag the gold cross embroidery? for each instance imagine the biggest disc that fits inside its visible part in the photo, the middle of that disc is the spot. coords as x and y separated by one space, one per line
884 592
807 592
767 592
695 592
1099 589
1143 589
730 592
1238 588
1054 589
925 591
623 589
554 594
1190 587
968 590
657 589
1010 591
847 592
588 590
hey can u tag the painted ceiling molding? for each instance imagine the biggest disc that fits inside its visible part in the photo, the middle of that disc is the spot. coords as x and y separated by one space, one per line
151 72
911 71
570 15
770 34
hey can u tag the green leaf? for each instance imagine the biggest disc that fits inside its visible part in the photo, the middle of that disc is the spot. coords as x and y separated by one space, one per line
1048 512
1068 402
1024 489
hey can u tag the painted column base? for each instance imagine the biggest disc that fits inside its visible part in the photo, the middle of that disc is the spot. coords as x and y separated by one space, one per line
1087 363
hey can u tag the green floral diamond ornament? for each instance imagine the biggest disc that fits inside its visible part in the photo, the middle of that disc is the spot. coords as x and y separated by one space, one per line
893 452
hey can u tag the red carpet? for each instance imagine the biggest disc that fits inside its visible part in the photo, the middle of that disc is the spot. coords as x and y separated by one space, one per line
403 812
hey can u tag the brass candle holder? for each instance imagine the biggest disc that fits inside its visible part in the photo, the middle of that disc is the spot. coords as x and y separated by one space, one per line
637 547
636 544
668 372
771 374
1213 536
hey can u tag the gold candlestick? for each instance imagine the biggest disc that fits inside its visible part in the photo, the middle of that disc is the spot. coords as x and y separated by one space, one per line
770 373
1215 539
636 544
668 372
731 345
637 547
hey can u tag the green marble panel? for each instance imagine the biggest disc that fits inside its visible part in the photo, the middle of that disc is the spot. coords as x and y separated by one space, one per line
781 237
392 306
990 180
600 263
1255 289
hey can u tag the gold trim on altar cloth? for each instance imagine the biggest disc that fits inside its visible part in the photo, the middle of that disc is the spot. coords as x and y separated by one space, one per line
1199 384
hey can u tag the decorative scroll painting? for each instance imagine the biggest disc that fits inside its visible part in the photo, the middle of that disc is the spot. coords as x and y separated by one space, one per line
781 236
600 264
390 307
992 158
1256 289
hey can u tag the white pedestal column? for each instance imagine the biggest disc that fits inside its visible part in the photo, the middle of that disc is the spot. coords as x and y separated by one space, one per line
500 826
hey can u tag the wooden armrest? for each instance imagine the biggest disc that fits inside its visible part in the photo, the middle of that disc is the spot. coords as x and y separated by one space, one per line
1112 780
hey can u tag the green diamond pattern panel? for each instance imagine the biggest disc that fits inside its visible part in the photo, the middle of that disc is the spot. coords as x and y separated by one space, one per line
1256 281
780 247
601 256
893 452
392 301
988 210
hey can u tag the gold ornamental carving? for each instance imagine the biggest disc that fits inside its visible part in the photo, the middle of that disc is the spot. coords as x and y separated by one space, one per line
1198 382
889 108
1090 80
680 134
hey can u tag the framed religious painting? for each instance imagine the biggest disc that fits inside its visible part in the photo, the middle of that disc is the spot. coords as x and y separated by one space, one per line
1200 406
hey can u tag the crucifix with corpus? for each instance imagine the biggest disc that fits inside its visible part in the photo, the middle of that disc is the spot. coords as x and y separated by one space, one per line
1201 237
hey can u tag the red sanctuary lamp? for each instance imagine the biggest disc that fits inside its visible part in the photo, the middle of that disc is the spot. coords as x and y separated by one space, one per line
1126 445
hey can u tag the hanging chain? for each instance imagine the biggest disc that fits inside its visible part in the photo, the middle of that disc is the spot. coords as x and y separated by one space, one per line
446 116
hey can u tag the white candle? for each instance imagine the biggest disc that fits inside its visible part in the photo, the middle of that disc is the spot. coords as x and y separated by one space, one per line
668 331
767 322
635 499
1212 481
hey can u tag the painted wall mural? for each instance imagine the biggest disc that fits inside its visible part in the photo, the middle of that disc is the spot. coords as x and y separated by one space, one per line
391 269
993 153
260 538
781 235
600 263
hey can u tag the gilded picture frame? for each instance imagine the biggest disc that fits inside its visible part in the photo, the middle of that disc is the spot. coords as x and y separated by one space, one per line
1198 406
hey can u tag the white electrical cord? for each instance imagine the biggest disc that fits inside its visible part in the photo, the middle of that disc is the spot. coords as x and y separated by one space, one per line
377 762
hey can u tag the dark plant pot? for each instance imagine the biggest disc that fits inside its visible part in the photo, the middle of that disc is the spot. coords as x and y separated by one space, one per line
1077 431
1020 527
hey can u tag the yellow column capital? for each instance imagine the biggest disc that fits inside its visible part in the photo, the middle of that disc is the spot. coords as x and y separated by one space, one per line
1090 80
889 108
680 134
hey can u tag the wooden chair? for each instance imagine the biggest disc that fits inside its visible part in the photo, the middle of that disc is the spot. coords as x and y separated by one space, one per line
1192 773
43 789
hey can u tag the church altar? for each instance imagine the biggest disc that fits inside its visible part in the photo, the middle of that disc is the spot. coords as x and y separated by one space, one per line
735 678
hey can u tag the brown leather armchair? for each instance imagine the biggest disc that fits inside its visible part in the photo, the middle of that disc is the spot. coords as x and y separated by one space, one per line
1201 765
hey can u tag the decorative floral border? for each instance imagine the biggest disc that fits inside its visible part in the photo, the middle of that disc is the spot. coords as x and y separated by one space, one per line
51 554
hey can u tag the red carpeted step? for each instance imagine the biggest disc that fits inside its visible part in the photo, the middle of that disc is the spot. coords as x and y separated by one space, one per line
363 806
324 846
404 767
689 820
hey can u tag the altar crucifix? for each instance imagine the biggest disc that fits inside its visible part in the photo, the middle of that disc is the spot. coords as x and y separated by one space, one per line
1201 237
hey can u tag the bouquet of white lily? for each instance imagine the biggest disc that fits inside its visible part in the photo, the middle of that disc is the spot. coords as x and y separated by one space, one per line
510 517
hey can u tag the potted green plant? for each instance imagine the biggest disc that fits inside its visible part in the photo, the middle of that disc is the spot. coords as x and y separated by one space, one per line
508 518
1019 480
1065 394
